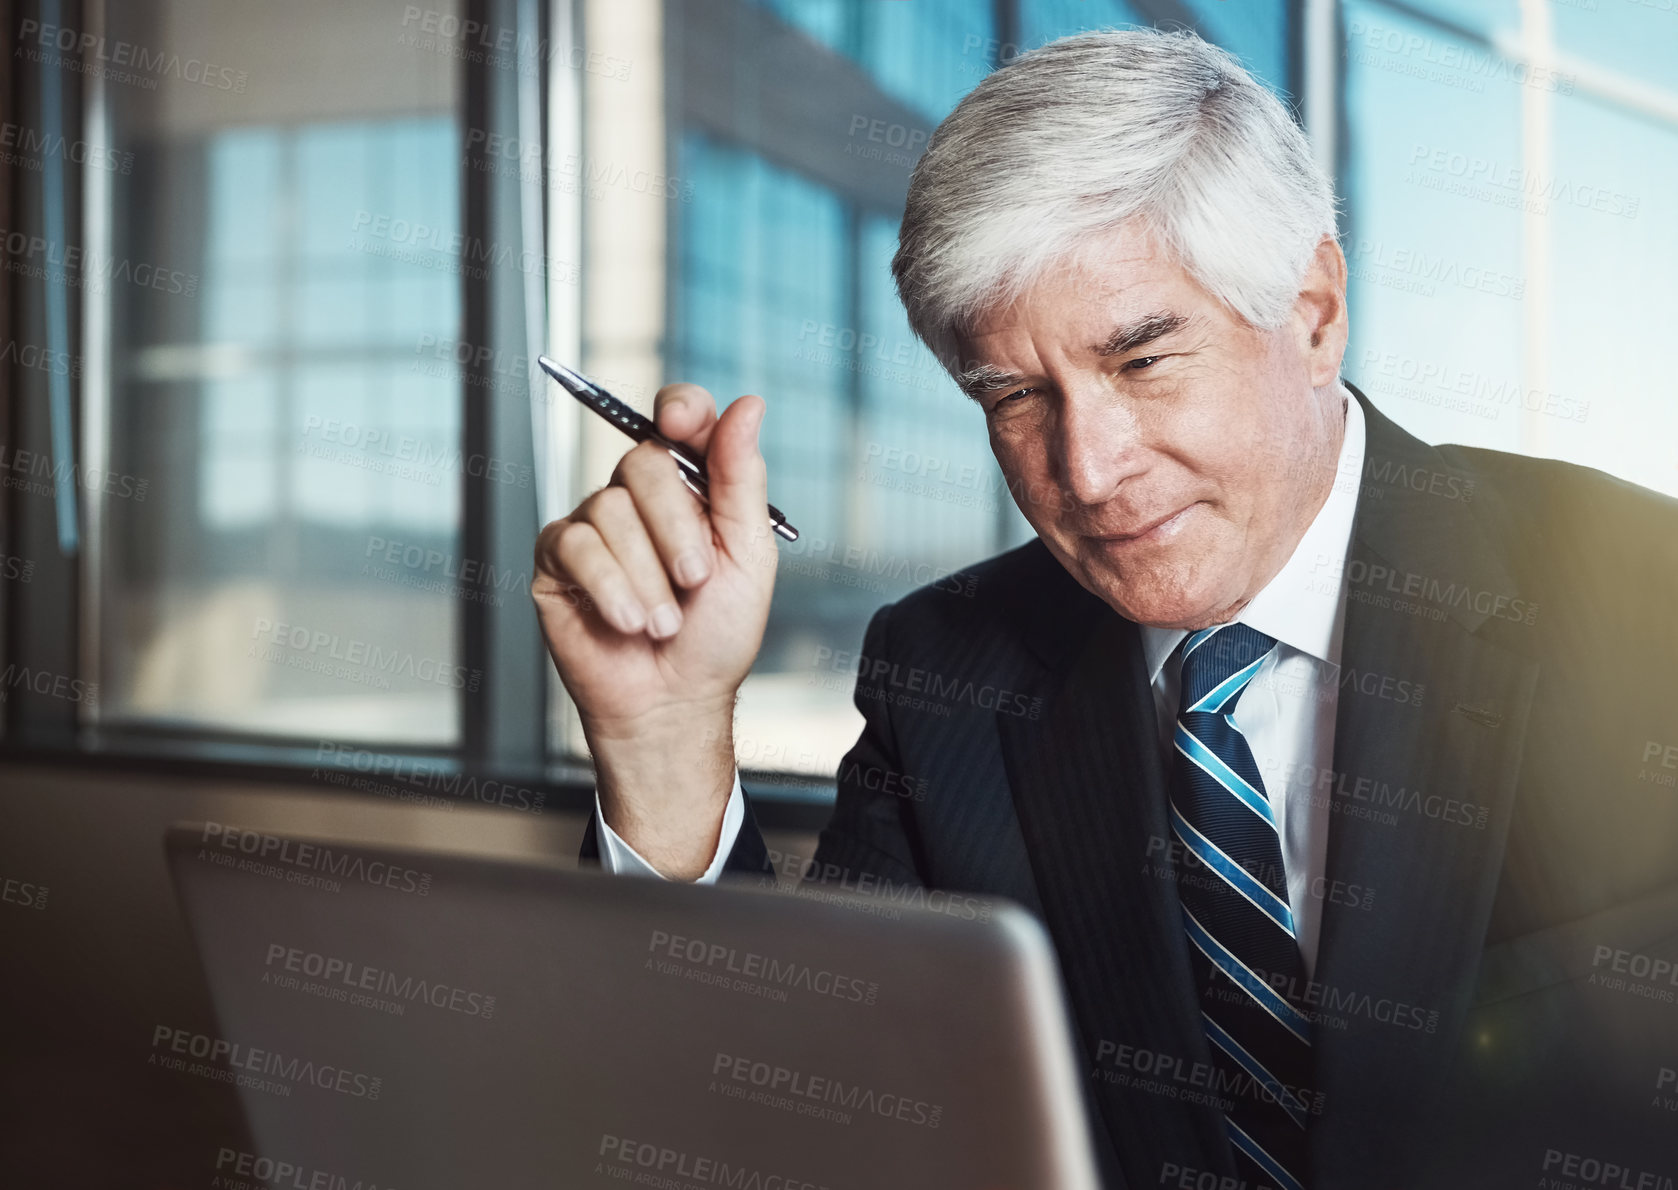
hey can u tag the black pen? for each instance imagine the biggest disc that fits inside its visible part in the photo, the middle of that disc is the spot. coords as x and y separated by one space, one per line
688 465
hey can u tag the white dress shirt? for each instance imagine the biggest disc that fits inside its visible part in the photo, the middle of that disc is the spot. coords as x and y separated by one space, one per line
1287 711
620 858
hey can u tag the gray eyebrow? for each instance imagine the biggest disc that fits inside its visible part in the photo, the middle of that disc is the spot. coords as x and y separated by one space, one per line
984 378
1131 335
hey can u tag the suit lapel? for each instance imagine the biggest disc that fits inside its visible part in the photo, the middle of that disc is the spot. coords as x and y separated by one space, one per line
1089 787
1428 737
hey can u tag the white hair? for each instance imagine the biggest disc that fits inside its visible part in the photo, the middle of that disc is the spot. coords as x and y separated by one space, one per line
1087 133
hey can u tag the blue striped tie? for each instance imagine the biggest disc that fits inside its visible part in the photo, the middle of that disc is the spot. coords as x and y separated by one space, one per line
1235 908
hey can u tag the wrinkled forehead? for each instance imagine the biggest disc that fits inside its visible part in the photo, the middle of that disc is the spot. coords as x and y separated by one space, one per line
1120 274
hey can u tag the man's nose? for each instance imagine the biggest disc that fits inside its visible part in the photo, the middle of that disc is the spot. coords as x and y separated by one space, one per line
1096 444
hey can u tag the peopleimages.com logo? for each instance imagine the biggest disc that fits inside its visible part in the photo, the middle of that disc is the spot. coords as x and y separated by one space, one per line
237 1062
309 864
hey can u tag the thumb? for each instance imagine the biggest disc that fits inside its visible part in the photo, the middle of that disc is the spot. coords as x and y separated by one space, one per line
738 478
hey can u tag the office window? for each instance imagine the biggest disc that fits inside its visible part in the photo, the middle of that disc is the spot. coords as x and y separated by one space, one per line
933 497
765 257
301 453
927 53
765 266
1256 31
1513 226
1476 17
298 415
1045 20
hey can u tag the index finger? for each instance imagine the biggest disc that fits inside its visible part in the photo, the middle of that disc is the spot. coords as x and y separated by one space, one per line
685 413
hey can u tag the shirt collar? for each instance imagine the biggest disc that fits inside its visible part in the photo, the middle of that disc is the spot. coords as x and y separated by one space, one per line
1301 606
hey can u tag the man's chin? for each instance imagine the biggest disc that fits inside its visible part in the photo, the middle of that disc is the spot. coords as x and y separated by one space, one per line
1159 595
1156 605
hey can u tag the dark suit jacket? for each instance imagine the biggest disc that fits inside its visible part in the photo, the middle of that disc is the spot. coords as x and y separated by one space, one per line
1503 840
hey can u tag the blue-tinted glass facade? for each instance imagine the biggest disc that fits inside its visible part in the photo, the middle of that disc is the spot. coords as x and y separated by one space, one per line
1256 31
1503 213
318 321
1045 20
926 53
763 267
928 483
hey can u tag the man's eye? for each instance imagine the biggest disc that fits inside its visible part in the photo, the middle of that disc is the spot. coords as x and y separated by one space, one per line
1136 365
1019 392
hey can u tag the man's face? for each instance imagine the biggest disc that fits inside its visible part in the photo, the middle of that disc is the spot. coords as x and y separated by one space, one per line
1168 454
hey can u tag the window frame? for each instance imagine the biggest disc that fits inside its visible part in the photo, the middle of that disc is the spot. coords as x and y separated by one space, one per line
50 622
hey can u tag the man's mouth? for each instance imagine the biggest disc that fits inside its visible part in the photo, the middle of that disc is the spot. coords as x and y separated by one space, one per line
1154 530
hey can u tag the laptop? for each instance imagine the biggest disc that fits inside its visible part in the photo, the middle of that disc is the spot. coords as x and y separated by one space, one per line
410 1020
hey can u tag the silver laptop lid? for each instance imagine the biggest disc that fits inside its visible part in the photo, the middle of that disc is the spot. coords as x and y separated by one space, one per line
405 1019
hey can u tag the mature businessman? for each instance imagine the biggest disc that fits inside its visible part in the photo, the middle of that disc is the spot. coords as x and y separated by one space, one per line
1333 762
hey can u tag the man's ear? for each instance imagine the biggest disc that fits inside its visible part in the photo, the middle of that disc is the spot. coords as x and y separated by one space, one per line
1320 318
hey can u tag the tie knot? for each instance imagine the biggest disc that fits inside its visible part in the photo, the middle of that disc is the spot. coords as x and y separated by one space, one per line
1218 663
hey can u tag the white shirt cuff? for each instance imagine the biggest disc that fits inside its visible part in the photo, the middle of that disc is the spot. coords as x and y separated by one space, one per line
620 859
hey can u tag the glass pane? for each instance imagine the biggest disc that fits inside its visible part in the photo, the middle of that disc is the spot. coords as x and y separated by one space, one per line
929 53
1637 42
1613 240
828 21
1478 18
1256 31
934 497
1045 20
297 463
1436 281
1492 209
765 272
